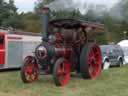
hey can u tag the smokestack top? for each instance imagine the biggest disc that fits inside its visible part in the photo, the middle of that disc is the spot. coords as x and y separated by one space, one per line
45 10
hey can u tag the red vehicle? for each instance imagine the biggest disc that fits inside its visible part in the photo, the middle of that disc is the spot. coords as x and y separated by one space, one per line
65 48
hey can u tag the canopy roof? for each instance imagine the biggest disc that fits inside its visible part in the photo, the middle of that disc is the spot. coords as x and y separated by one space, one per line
73 23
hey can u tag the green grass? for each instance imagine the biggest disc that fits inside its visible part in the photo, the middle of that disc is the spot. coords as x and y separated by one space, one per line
112 82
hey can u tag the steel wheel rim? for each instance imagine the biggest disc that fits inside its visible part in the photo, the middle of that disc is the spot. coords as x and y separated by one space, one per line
63 73
94 62
31 73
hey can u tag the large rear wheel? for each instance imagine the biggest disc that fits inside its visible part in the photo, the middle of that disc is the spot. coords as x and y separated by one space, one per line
90 61
29 70
61 72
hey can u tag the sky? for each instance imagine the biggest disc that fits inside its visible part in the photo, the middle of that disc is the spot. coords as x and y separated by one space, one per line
24 5
28 5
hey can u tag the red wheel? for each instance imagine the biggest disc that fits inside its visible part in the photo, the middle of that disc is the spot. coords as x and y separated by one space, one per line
61 72
29 70
90 61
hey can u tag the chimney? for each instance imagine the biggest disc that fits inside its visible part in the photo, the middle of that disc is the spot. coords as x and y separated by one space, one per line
45 20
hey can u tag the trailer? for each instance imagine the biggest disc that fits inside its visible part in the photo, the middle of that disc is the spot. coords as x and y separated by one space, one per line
14 46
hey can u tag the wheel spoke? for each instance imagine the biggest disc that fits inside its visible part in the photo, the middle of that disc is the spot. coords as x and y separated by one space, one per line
31 77
96 54
60 73
90 69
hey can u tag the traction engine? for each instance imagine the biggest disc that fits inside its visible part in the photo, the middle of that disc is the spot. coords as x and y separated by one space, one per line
65 48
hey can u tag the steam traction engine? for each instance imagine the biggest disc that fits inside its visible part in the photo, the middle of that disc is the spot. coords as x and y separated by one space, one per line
65 48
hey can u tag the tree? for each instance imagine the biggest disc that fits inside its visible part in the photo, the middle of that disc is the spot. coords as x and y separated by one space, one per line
8 14
31 22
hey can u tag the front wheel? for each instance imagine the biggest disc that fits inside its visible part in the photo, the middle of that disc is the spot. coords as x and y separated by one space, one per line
29 70
61 72
90 61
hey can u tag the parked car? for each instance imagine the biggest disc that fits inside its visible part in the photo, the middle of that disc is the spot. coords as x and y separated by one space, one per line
112 55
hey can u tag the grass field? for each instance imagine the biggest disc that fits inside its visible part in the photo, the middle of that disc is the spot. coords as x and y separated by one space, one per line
113 82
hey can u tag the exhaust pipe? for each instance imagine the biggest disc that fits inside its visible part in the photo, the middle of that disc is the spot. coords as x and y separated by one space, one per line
45 21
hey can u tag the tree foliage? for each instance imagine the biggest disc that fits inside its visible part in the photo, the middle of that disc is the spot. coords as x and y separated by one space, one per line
8 14
31 22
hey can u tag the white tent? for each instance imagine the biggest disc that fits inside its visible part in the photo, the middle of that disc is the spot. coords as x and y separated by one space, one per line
123 43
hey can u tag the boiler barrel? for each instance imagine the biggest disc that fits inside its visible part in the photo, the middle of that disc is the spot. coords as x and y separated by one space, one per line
63 51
